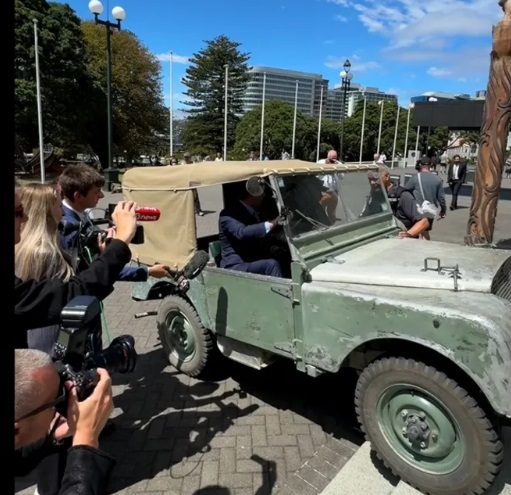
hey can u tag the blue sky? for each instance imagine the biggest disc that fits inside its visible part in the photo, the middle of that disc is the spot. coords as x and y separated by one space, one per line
406 47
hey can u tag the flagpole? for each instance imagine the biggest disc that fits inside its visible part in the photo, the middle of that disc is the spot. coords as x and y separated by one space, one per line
382 103
417 141
408 131
262 118
395 136
363 131
319 123
226 109
294 121
171 105
39 104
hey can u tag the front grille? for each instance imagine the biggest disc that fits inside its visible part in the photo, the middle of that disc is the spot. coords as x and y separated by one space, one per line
501 285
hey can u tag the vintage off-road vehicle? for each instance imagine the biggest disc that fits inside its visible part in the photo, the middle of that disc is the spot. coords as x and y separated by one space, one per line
426 324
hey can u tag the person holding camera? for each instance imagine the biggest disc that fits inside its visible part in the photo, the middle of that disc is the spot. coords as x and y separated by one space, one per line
38 428
39 303
81 189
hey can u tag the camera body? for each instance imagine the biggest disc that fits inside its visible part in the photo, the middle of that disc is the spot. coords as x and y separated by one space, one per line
78 350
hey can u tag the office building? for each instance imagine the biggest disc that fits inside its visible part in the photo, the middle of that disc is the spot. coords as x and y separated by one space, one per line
481 94
281 85
439 96
372 95
337 108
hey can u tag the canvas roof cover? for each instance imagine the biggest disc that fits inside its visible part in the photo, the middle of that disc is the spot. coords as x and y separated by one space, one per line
172 239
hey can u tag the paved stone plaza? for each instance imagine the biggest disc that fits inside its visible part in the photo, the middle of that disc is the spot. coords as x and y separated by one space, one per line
249 432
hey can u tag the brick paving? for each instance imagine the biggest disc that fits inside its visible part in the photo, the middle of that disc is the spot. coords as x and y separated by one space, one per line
246 433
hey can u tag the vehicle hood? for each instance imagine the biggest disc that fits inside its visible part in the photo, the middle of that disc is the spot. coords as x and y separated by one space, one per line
400 263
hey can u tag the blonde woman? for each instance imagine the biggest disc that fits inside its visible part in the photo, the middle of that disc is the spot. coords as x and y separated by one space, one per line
39 255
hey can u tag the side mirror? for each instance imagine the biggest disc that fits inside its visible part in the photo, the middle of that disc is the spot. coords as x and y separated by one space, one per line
255 187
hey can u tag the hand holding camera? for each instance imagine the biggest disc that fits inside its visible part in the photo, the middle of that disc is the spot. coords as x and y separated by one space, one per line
89 417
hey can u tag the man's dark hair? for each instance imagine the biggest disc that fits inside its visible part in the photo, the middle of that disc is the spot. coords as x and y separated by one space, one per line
79 178
456 156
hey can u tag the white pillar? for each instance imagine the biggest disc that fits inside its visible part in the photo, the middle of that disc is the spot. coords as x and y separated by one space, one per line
39 105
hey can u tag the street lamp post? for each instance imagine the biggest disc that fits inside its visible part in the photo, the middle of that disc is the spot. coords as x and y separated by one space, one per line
363 131
119 14
346 77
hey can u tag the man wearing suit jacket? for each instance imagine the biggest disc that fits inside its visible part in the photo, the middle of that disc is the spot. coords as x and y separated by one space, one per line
456 176
81 188
241 228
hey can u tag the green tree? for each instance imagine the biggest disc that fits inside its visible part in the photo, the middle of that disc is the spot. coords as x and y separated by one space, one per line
138 111
62 71
205 80
278 132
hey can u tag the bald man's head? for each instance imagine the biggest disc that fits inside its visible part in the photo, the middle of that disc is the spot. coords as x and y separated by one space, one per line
332 155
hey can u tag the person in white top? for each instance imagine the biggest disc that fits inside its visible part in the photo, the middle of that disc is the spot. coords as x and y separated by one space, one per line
331 182
219 158
378 160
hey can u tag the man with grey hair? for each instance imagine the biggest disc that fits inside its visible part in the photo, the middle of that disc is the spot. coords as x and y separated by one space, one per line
38 429
331 182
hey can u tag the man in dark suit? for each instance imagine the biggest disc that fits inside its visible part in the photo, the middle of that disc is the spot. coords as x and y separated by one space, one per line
456 176
241 232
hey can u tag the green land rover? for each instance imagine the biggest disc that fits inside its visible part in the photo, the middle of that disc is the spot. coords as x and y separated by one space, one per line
427 325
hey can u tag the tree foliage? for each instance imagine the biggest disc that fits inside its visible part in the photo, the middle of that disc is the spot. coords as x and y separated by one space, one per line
205 80
138 111
62 71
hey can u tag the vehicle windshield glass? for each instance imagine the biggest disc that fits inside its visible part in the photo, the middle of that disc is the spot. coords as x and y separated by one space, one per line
324 201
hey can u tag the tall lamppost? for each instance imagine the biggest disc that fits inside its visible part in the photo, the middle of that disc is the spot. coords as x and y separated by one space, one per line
119 14
346 77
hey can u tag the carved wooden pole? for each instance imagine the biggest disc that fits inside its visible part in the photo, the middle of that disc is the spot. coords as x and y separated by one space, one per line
494 132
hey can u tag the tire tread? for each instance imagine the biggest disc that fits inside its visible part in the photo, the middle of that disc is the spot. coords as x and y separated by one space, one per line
389 364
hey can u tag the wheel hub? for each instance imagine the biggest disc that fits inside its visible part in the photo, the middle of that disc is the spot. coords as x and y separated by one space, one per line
180 337
419 429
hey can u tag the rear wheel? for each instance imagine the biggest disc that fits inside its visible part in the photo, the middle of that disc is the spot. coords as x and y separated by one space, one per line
426 428
189 346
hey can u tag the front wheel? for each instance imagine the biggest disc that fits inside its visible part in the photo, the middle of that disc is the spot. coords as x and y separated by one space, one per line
189 346
426 428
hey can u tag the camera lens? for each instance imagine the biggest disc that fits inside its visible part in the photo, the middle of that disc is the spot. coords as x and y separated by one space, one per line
119 357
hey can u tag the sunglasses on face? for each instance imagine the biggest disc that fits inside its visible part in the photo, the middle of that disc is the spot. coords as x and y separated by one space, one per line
61 398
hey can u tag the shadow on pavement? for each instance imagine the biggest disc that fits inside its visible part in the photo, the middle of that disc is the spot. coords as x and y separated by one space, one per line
168 422
269 472
161 424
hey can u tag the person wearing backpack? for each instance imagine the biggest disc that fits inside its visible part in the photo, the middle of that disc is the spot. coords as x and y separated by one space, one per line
404 206
428 190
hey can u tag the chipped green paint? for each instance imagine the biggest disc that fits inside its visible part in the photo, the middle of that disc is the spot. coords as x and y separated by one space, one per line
476 336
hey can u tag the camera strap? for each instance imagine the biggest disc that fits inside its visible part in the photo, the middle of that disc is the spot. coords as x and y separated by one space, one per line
103 317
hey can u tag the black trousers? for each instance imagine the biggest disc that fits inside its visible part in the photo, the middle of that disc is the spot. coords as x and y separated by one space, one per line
455 186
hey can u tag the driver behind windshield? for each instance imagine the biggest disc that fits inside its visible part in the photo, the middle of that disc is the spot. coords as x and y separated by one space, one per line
242 226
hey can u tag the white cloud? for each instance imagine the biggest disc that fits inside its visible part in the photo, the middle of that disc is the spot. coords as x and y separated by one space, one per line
409 22
356 66
178 59
343 3
438 72
329 42
341 18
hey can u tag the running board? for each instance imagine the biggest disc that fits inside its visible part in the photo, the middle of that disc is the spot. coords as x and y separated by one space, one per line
245 354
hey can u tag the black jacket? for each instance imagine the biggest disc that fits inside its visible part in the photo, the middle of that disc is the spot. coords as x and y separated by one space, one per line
39 304
87 469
